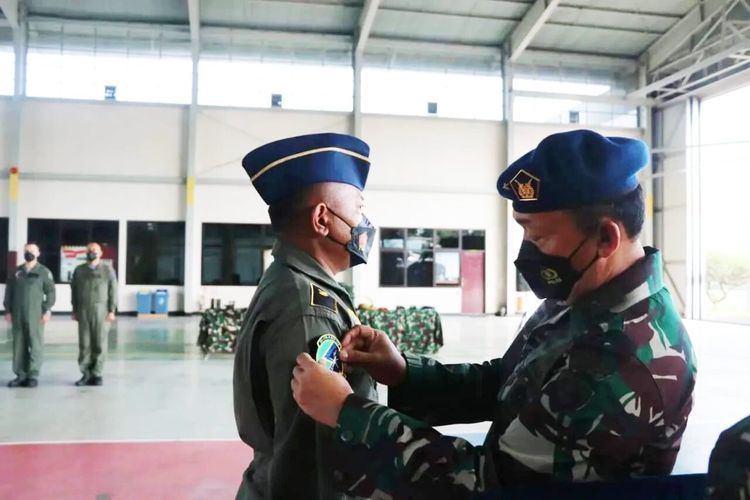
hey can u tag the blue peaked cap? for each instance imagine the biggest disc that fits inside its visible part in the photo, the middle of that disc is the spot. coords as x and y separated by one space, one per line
573 169
282 168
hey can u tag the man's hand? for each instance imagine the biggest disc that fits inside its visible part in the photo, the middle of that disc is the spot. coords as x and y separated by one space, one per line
318 391
45 317
373 350
111 316
74 317
8 317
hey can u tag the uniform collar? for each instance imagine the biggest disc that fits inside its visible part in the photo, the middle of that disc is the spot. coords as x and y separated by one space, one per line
292 256
29 269
637 283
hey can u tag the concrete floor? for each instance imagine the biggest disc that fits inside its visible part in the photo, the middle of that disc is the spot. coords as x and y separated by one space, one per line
159 388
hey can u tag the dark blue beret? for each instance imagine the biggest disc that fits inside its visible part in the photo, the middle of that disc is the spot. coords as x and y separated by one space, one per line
573 169
282 168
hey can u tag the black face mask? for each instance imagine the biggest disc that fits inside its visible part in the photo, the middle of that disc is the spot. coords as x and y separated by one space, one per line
549 276
29 257
360 243
91 256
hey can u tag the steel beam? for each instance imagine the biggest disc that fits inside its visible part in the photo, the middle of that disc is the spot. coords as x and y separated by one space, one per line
364 27
10 9
529 26
697 18
691 70
192 285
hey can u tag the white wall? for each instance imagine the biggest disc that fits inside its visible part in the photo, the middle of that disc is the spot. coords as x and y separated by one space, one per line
5 118
225 135
101 138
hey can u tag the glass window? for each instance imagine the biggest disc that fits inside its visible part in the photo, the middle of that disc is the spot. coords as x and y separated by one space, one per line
447 268
472 240
156 253
235 254
7 70
62 243
725 243
392 269
245 82
3 249
458 95
419 269
419 240
392 238
447 238
100 76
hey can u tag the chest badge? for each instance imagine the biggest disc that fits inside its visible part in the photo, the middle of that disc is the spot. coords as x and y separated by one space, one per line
321 298
328 353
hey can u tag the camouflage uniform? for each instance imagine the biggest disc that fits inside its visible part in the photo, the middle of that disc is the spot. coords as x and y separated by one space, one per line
729 467
219 329
412 329
599 390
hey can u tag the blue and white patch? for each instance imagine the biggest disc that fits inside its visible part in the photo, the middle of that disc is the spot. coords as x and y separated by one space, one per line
328 353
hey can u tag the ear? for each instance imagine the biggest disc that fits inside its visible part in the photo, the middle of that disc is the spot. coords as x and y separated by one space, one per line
320 220
610 238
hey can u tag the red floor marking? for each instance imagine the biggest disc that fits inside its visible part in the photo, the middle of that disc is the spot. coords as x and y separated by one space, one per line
160 470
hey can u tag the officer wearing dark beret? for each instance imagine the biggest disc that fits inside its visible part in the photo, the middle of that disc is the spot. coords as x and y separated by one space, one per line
598 383
313 185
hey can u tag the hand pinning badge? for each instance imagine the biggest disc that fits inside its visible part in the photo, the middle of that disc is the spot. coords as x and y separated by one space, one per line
328 353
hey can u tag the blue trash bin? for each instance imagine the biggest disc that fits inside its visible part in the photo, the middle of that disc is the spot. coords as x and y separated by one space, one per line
161 302
143 302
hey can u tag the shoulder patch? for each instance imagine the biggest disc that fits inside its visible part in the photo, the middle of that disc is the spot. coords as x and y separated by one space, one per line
328 352
321 298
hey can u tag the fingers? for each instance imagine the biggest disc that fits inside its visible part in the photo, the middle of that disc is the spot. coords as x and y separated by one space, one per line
304 360
354 357
360 335
297 373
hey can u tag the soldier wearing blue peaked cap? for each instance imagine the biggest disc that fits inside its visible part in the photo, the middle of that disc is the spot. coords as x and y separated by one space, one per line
313 185
597 385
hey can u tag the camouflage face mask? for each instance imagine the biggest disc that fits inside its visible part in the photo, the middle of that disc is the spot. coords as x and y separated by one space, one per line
360 243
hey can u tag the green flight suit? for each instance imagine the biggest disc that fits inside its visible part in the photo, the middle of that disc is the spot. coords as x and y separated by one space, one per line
29 295
296 303
94 295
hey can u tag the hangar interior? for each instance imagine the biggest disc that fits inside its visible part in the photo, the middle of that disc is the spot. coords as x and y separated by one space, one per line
124 122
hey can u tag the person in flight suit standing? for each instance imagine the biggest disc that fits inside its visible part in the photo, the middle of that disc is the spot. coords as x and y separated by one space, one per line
94 288
29 297
313 185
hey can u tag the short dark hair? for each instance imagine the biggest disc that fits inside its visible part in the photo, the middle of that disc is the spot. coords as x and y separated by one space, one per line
629 210
284 212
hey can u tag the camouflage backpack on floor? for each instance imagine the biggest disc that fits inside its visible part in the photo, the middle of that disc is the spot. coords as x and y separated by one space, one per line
412 329
219 329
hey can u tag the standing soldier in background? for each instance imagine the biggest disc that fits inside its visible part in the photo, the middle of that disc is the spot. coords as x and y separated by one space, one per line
94 296
29 297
